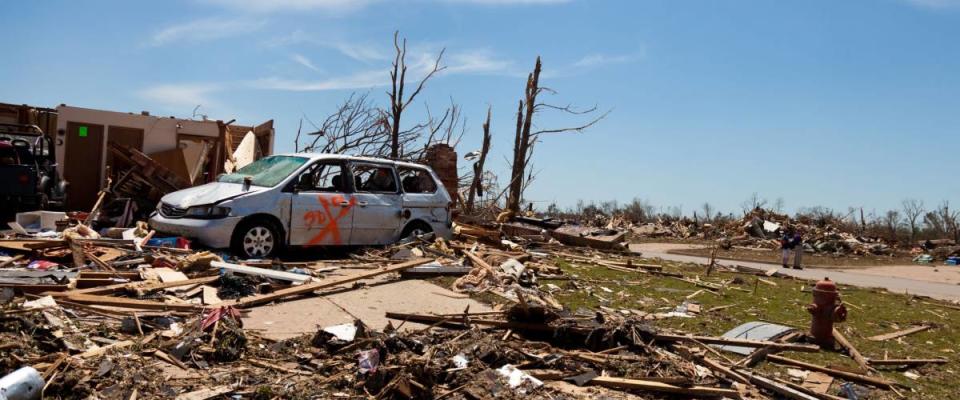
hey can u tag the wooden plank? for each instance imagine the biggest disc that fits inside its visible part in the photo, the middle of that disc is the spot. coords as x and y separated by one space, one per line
314 286
854 353
261 272
817 382
909 361
142 287
637 384
849 376
739 342
205 393
129 303
900 333
778 388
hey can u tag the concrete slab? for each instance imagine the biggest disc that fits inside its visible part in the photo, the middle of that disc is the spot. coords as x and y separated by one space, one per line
370 304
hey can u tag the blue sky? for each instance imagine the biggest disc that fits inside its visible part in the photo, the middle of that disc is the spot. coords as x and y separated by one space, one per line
834 103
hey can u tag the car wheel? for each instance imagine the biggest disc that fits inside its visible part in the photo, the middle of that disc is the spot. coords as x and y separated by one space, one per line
258 238
416 229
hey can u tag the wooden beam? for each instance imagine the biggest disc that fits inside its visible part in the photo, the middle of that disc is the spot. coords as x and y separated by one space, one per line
900 333
314 286
140 286
637 384
739 342
129 303
909 361
854 353
869 380
777 388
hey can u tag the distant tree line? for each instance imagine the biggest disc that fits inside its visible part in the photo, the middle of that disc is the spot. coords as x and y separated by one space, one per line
910 223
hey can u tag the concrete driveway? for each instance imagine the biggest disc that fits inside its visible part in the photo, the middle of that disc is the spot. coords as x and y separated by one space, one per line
914 279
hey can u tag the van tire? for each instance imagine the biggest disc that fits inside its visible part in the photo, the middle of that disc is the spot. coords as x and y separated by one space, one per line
418 227
256 238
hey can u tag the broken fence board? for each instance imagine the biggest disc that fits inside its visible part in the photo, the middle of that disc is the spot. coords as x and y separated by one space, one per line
908 361
900 333
129 303
849 376
636 384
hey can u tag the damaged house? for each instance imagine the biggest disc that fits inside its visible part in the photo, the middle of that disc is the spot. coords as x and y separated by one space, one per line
92 145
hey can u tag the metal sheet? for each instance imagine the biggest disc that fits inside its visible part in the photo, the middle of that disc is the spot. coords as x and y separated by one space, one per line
755 330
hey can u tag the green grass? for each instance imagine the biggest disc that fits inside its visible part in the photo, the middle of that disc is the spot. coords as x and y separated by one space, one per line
871 312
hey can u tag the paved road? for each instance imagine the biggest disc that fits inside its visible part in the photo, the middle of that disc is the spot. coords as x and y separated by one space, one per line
944 291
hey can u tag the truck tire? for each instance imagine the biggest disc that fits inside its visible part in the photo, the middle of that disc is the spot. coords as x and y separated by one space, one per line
256 238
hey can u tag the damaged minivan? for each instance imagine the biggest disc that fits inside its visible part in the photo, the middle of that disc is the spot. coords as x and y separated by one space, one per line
309 200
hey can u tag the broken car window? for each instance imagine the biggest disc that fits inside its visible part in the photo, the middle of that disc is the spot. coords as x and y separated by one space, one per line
267 171
374 178
416 180
327 177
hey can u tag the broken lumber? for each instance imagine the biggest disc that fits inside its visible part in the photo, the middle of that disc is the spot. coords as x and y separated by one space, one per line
854 353
129 303
739 342
139 287
900 333
637 384
777 388
314 286
808 391
869 380
909 361
205 393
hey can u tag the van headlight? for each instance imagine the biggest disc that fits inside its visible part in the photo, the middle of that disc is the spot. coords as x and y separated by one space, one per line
207 212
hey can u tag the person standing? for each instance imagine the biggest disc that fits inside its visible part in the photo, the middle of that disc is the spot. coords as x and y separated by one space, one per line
786 245
797 243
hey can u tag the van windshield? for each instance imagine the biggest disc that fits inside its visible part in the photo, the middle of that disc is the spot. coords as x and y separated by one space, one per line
267 171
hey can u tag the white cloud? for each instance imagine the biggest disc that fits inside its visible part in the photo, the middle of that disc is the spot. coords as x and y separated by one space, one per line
304 61
475 62
595 60
267 6
358 51
508 2
360 80
205 29
420 63
938 4
344 6
181 96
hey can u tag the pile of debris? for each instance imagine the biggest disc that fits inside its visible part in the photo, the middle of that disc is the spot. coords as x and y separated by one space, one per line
86 316
762 229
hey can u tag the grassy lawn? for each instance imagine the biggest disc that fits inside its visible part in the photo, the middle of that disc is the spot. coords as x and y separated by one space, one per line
774 257
871 312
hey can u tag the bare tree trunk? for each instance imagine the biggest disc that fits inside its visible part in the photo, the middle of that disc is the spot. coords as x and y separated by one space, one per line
398 76
522 142
476 188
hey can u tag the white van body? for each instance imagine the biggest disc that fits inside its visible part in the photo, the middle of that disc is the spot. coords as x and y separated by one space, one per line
309 200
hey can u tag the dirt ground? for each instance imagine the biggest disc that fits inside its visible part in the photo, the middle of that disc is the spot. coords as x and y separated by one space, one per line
293 318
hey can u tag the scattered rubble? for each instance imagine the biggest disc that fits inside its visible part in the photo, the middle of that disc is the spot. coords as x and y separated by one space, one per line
124 318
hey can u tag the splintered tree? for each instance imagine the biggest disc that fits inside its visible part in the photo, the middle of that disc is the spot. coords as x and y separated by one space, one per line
399 103
476 186
525 139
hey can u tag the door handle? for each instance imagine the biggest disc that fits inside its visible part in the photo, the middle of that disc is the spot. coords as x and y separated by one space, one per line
362 203
344 203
